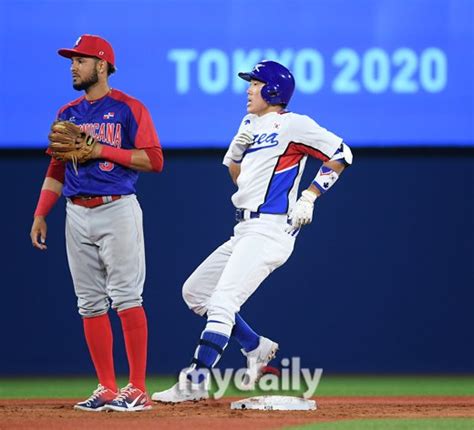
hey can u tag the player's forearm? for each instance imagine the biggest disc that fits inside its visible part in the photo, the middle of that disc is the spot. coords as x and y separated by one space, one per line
234 171
330 171
140 161
49 195
325 179
327 175
335 165
143 160
53 185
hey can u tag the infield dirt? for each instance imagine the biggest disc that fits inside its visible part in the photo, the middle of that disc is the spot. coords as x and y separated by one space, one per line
52 414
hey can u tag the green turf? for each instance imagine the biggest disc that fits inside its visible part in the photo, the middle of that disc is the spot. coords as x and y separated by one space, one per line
73 387
77 387
385 386
421 424
396 386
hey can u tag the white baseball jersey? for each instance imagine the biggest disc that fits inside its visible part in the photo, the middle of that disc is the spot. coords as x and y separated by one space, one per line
272 166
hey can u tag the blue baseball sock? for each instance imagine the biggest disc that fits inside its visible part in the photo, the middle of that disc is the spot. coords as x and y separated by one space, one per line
209 351
244 334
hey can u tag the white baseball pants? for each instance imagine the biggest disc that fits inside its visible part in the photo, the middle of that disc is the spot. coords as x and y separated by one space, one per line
106 254
231 274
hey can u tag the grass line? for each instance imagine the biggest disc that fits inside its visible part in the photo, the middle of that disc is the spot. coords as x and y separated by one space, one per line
77 387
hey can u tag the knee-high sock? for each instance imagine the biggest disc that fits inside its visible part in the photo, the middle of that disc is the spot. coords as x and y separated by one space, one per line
244 334
212 343
99 338
135 333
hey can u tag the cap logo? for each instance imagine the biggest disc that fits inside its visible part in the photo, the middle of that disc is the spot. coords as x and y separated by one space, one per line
78 41
101 52
257 67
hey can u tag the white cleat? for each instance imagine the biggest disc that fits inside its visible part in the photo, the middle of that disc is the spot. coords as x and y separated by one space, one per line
257 359
183 391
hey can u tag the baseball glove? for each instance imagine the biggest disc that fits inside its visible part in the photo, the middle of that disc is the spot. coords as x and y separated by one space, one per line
67 142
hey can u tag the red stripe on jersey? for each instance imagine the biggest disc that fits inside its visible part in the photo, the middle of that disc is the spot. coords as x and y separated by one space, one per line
288 160
308 150
294 153
146 136
73 103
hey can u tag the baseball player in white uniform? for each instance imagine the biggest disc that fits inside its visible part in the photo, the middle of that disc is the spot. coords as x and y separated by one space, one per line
265 159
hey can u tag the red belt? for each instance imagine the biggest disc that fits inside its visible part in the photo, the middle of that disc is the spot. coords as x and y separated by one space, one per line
93 201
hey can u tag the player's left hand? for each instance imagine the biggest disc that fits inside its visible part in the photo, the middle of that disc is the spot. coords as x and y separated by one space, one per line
302 213
67 142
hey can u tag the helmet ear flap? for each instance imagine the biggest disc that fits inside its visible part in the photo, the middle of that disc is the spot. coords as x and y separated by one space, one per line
270 93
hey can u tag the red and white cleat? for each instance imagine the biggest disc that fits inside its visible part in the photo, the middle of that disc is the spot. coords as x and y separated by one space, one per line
130 399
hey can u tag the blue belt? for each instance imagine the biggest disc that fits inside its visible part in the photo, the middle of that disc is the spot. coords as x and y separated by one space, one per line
240 214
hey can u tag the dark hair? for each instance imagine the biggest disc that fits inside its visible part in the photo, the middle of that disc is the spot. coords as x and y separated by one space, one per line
110 69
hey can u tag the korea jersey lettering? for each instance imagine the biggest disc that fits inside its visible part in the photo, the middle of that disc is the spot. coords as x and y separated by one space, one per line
116 119
273 164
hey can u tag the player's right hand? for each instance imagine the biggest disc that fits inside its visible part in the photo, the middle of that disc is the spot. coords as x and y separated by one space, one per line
38 233
239 145
302 212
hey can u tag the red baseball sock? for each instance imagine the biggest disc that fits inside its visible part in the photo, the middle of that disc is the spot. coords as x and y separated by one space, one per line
135 333
99 339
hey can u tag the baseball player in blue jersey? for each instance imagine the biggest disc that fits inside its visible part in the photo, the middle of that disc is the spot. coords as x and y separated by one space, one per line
104 232
265 159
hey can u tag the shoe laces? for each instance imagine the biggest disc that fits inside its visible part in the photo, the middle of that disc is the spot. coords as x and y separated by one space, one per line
124 392
97 392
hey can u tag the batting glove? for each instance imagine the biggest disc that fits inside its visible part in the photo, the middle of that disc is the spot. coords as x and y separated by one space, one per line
302 213
239 145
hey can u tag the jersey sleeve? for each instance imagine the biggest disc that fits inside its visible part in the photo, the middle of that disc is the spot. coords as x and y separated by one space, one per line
61 115
56 170
312 139
245 124
142 130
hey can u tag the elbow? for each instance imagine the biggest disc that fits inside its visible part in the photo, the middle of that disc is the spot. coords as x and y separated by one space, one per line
343 155
158 166
155 155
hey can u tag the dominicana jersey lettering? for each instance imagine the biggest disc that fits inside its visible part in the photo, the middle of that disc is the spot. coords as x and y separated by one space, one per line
116 119
272 165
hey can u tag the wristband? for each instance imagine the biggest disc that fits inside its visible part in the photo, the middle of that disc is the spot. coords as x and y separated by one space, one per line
46 201
116 155
325 179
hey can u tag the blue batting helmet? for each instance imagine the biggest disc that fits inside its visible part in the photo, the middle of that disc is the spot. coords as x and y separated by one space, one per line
279 81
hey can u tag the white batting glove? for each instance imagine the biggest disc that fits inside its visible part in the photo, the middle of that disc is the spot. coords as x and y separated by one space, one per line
239 145
302 212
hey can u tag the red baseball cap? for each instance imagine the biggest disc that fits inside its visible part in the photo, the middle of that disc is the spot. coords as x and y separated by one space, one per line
91 46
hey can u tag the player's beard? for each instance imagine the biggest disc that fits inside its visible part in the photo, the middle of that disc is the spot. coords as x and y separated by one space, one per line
87 83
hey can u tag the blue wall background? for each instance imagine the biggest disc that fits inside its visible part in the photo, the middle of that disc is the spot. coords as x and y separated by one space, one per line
366 69
381 281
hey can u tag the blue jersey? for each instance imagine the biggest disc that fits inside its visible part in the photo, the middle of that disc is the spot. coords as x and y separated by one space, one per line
116 120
